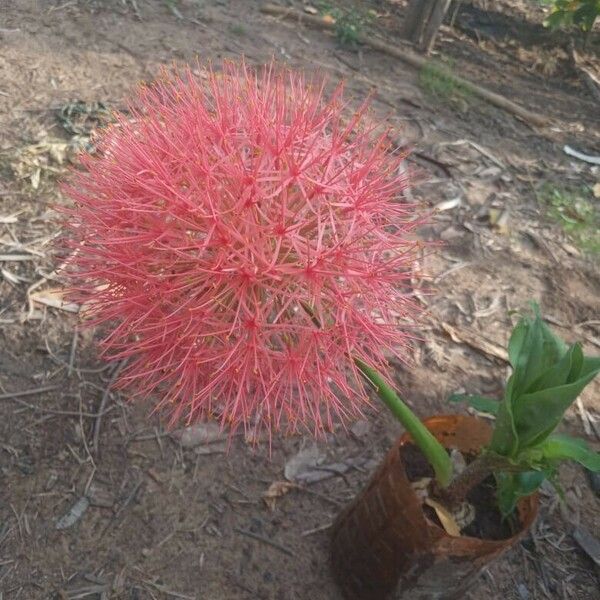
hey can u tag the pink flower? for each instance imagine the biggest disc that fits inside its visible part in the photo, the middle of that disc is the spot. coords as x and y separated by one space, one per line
211 224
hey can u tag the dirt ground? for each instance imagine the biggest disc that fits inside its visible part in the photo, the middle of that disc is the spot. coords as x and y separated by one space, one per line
97 500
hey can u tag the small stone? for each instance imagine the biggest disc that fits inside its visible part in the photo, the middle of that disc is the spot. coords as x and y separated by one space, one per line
360 428
523 591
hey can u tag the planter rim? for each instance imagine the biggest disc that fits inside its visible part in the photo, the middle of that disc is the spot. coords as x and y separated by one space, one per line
527 506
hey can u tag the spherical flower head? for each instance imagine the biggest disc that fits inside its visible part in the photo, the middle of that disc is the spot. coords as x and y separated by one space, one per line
241 237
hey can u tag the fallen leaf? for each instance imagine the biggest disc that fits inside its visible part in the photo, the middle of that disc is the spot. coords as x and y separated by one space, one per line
499 219
75 513
311 10
202 433
35 178
328 19
276 490
596 190
448 204
302 462
445 517
476 341
312 473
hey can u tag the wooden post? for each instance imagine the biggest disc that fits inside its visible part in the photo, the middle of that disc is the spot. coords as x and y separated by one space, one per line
436 18
422 22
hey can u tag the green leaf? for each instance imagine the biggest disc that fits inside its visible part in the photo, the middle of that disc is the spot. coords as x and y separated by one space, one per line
513 486
533 349
515 344
560 372
576 366
554 347
504 440
537 414
563 447
480 403
591 364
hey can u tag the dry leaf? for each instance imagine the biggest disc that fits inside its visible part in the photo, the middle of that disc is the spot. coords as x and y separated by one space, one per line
302 463
311 10
202 433
75 513
328 19
445 517
596 190
276 490
476 341
499 219
35 178
448 204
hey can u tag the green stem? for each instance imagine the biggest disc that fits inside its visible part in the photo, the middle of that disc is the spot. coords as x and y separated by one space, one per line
433 451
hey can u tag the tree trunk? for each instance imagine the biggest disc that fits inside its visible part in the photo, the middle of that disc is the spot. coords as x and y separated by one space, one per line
422 22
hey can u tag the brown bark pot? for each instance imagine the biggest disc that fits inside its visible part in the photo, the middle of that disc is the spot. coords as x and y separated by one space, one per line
383 545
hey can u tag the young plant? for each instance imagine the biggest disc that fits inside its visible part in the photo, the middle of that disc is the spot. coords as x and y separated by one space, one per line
547 378
439 82
576 212
580 13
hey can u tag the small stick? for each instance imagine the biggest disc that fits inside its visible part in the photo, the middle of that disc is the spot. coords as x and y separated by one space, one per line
316 529
32 392
66 413
264 540
123 506
72 353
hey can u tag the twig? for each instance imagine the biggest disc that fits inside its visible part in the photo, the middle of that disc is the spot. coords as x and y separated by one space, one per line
17 257
66 413
264 540
168 592
316 529
72 353
319 494
32 392
123 506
